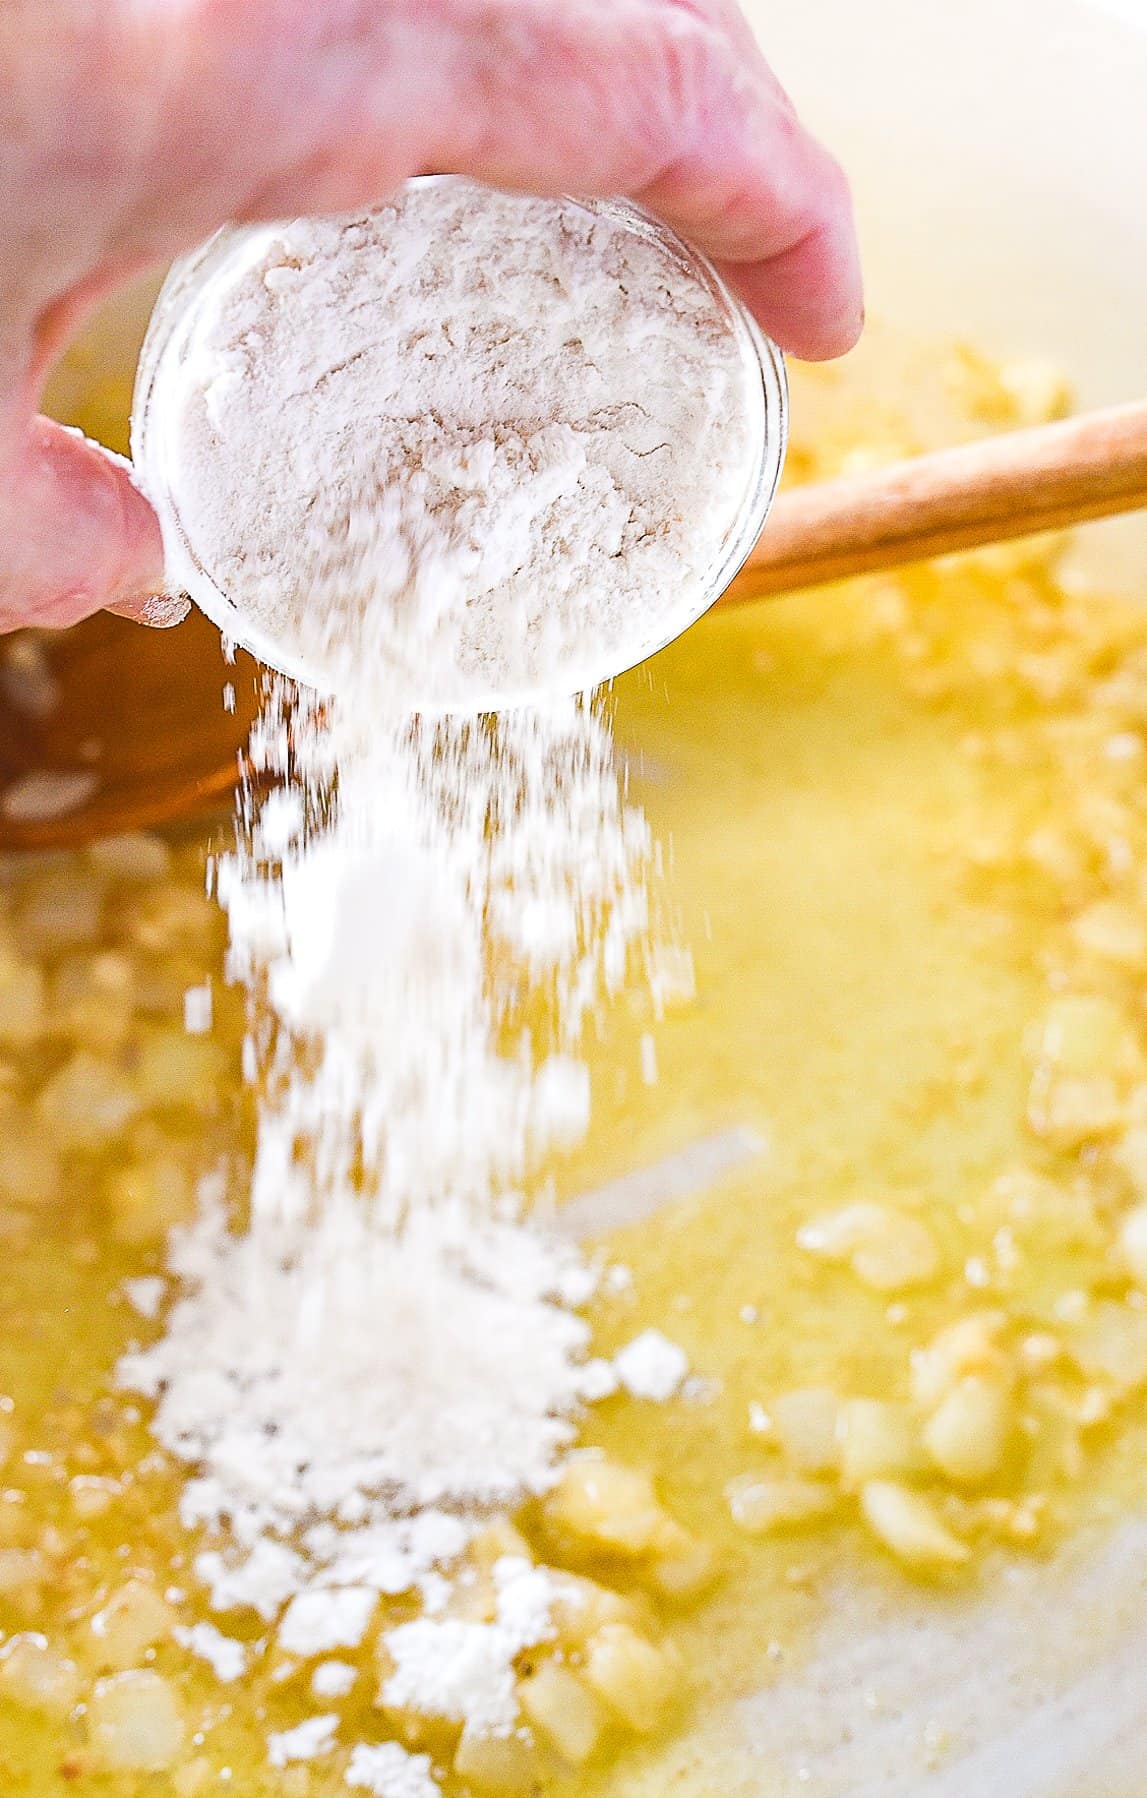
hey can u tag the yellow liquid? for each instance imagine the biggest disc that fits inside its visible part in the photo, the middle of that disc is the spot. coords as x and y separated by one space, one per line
885 810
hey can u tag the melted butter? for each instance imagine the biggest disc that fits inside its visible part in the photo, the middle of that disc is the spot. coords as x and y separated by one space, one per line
857 1012
882 809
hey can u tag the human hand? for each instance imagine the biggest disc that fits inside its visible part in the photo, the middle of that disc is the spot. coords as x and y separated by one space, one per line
131 129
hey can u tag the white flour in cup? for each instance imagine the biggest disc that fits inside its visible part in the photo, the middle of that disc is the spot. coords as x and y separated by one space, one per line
473 447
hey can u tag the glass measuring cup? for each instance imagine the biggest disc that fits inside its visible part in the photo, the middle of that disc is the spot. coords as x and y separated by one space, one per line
191 297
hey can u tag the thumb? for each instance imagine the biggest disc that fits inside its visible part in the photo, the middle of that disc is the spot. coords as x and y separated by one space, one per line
76 534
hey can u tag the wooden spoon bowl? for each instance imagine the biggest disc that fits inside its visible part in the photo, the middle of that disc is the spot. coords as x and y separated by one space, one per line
133 720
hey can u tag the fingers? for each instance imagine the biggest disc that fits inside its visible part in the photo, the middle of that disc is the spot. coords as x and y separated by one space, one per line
75 533
673 104
668 101
782 234
809 297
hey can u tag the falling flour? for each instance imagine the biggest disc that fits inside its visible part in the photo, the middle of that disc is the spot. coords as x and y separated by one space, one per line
372 1352
388 1354
478 446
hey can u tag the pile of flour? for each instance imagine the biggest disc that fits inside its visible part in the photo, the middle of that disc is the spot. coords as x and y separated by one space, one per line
486 446
376 1351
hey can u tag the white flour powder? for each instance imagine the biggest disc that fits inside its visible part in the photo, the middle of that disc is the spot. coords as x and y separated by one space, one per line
388 1771
387 1355
470 870
474 445
384 1354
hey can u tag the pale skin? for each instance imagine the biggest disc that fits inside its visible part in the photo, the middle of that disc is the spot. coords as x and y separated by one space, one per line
131 129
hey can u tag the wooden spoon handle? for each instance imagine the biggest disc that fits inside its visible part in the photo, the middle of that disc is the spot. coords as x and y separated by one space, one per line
1006 486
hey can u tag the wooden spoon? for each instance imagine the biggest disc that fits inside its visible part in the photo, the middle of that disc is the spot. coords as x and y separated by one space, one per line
134 719
1011 485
